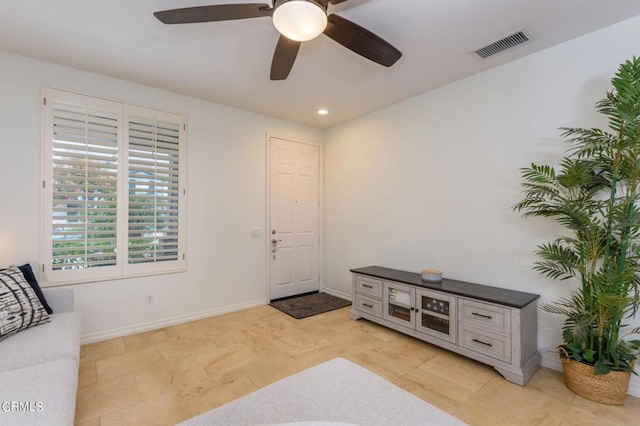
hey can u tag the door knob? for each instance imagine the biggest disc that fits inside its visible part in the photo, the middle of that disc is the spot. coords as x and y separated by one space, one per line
274 241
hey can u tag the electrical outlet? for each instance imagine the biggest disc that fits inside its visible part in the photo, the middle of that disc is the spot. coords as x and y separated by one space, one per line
149 299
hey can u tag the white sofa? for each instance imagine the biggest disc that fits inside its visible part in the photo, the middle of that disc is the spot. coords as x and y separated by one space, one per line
39 367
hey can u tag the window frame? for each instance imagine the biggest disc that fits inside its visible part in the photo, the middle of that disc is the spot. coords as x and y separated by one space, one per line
122 269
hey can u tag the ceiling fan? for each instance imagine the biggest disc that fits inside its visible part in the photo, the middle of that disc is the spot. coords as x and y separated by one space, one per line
297 21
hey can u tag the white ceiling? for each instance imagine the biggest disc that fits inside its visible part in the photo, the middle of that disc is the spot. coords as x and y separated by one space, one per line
229 62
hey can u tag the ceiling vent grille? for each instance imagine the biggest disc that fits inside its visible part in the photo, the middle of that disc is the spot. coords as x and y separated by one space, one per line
512 40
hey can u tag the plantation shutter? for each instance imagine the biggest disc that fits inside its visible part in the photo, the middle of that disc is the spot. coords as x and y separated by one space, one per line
154 177
84 187
114 190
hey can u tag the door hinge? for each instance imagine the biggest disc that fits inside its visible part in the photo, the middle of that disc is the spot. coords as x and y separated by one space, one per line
184 192
184 256
44 100
42 268
44 184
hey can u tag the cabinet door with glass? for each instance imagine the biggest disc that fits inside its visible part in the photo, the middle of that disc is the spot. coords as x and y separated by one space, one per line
436 314
398 302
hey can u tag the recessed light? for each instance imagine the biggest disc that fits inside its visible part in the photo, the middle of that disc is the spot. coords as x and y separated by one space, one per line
323 112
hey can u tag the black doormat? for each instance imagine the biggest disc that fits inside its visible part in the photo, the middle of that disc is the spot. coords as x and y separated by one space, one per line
309 304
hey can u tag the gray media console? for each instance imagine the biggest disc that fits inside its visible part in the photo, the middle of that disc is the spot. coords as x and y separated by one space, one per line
495 326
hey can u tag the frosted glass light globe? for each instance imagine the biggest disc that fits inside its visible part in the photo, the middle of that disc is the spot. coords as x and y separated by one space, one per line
300 20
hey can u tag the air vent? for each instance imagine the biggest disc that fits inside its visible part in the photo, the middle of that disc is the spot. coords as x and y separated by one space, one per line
512 40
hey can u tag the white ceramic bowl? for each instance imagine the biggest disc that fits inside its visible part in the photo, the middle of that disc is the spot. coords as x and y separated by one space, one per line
431 275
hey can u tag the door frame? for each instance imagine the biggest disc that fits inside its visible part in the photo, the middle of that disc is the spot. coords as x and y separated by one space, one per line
267 234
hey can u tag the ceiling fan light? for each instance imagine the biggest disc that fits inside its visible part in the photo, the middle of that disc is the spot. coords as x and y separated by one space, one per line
300 20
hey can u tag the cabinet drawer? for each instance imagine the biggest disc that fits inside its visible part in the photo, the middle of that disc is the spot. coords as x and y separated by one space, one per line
485 342
369 286
485 315
368 305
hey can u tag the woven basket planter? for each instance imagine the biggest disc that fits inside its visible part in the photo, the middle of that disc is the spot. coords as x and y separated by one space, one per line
610 389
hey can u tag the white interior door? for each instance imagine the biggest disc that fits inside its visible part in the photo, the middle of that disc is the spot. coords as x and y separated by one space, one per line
294 217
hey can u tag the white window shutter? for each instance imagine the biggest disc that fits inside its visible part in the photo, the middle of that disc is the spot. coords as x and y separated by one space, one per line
81 224
114 179
155 173
85 187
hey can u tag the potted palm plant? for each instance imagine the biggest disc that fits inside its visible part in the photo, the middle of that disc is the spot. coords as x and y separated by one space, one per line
594 194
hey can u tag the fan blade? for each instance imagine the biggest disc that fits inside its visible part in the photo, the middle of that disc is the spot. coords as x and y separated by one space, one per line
221 12
361 41
283 58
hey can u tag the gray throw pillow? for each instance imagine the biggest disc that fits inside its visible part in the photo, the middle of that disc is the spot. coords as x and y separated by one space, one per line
20 307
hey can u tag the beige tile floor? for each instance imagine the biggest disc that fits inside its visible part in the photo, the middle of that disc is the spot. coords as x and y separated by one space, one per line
165 376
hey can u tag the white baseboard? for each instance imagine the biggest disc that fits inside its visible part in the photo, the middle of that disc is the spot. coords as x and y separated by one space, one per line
553 362
339 294
141 328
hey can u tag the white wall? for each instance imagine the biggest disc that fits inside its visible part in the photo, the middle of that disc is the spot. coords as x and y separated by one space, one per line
226 197
430 182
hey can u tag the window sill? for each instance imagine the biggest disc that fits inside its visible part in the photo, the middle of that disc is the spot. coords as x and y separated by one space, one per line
49 284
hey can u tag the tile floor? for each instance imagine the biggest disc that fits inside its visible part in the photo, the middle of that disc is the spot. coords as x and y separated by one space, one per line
166 376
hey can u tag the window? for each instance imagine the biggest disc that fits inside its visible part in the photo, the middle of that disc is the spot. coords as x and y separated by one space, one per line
114 189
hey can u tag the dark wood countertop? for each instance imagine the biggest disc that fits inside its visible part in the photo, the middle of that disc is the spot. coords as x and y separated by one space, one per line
501 296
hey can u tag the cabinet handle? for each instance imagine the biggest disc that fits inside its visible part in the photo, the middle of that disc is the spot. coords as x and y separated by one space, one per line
481 315
367 305
481 342
367 286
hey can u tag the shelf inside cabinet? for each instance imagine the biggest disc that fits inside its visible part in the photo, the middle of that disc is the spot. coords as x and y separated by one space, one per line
435 314
396 303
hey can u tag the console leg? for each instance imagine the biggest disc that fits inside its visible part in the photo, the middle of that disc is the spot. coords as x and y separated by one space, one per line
354 315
